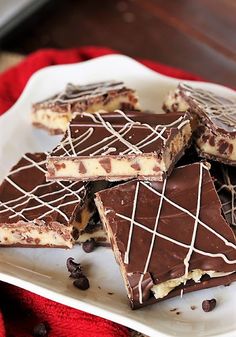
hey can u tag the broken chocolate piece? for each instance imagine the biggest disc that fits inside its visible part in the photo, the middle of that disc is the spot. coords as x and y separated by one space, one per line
209 305
158 233
119 146
36 212
54 114
215 137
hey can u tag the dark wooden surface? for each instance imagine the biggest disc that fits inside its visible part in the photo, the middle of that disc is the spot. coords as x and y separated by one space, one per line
196 35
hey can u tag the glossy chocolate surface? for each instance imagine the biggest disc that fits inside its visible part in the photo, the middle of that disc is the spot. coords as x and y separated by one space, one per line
119 133
217 112
161 230
26 196
76 98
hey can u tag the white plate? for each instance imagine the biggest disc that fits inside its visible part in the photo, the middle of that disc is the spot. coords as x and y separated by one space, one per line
43 271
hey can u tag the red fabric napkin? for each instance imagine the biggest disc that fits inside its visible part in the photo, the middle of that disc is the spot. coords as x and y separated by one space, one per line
20 310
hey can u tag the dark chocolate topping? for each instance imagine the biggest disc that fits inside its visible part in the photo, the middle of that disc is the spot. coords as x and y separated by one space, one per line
218 112
26 196
163 230
79 97
225 181
118 133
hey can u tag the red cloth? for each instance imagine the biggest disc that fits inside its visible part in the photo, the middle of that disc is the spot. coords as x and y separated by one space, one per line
21 310
13 81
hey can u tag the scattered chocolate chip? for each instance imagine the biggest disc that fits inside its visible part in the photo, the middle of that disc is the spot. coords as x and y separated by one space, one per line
81 283
74 268
40 330
178 312
89 245
106 164
109 293
174 309
193 307
209 305
99 287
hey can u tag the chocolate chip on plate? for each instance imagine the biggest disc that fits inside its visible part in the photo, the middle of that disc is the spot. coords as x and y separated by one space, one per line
40 330
81 283
89 245
209 305
74 268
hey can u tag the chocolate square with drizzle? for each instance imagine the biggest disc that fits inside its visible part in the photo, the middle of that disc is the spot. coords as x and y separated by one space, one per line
166 236
54 113
119 146
36 212
215 136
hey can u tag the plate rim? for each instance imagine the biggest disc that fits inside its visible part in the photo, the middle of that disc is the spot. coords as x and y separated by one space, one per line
63 298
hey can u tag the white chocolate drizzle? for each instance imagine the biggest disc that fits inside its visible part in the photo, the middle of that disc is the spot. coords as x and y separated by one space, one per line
77 93
61 197
76 146
154 232
228 188
222 108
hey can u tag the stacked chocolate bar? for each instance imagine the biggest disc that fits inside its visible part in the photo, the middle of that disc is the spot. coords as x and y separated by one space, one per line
165 222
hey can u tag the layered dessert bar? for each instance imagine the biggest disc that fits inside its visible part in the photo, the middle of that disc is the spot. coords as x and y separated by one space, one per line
169 237
54 113
119 146
37 213
215 136
174 102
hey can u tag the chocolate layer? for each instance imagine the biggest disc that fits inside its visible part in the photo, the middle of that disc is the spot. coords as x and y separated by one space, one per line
225 181
34 212
119 146
215 136
55 112
168 231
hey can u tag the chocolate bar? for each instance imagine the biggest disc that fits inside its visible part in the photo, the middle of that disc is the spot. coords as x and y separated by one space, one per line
37 213
167 237
54 114
225 182
174 102
215 136
119 146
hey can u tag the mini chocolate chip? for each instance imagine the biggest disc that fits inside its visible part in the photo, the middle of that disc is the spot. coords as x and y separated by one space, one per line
178 312
175 106
193 307
223 147
81 283
40 330
209 305
110 293
71 265
174 309
89 245
74 268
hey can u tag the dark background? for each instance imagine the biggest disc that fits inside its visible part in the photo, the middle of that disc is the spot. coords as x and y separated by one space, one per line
196 35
